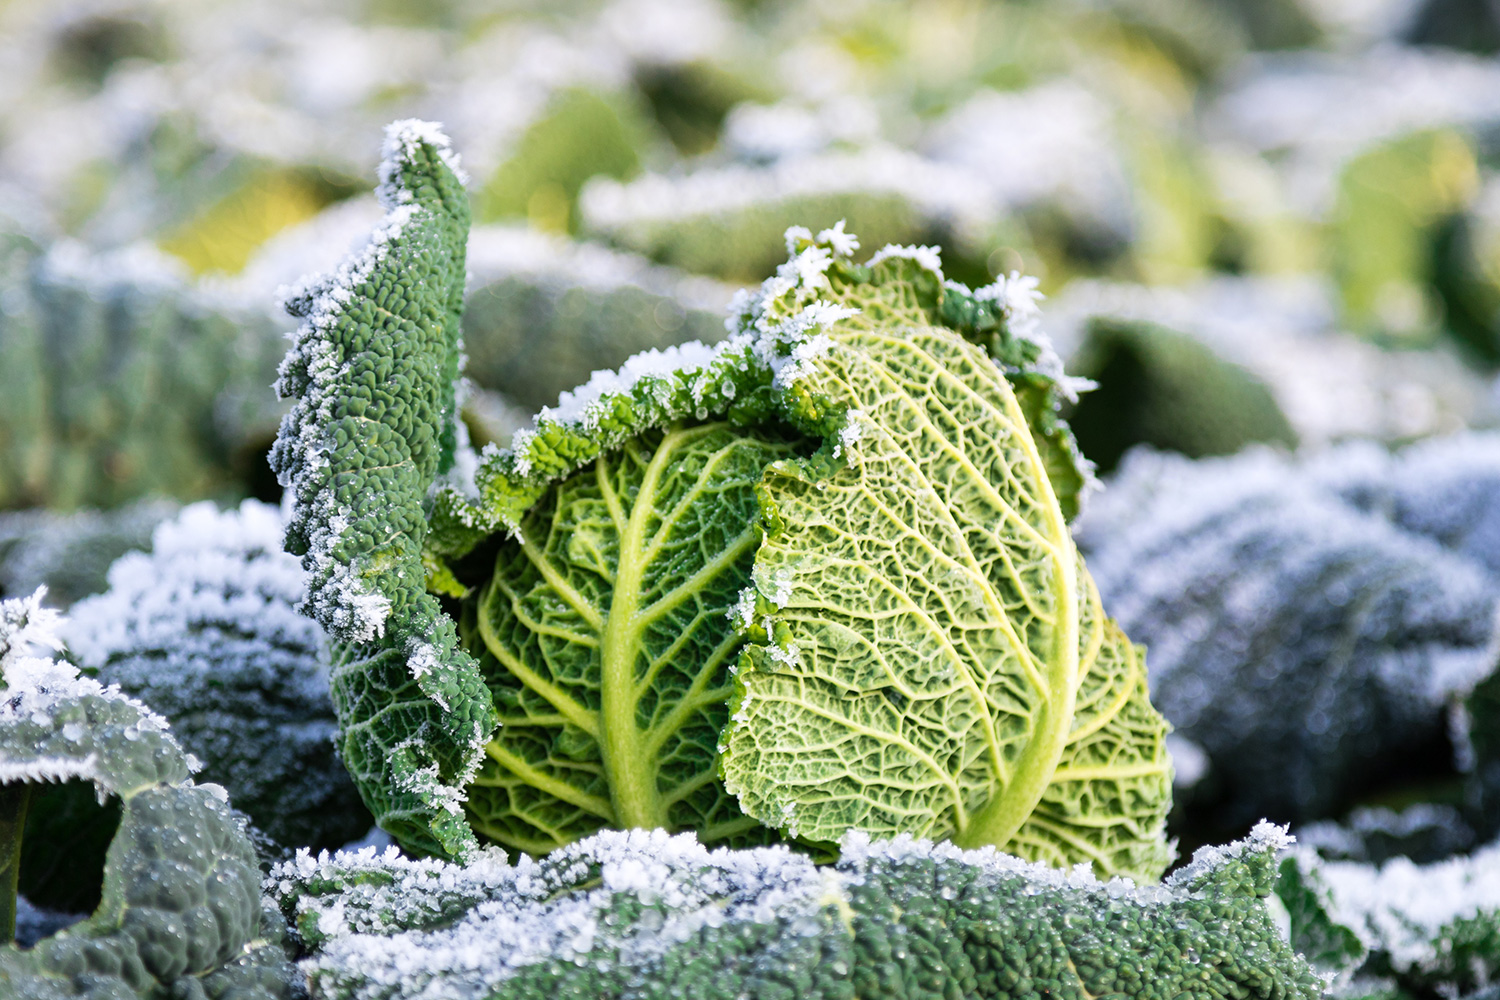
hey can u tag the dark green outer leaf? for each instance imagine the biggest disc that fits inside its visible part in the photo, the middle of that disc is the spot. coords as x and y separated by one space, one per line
643 916
373 370
181 894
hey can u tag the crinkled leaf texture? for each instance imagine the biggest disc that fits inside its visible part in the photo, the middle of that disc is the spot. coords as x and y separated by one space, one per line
373 370
608 645
203 629
1426 930
645 915
940 664
933 657
181 907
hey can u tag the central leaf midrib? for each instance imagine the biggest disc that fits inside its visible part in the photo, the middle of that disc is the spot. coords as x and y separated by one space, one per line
1000 818
630 767
973 829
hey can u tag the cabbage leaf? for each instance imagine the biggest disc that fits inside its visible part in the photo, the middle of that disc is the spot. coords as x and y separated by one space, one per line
606 642
932 656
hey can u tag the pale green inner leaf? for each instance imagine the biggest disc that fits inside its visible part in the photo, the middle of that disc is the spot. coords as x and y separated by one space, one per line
941 666
606 642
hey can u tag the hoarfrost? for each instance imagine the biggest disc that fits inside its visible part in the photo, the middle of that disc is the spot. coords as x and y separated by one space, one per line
383 924
36 685
204 629
1303 624
497 919
1407 910
1263 837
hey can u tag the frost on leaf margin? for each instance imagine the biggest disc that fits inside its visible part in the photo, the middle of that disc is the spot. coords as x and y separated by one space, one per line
737 380
373 369
1427 930
929 655
645 915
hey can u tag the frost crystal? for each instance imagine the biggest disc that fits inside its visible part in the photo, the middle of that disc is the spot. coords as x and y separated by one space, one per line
204 629
638 906
37 686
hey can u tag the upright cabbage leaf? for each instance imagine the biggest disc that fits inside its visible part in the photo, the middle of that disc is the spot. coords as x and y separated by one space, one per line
373 369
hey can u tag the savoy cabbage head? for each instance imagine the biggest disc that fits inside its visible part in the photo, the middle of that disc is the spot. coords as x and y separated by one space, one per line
816 579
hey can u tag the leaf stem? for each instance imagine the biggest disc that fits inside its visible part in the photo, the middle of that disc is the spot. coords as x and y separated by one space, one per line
13 802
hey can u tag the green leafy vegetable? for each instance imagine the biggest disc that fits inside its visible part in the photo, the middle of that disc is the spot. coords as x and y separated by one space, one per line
961 679
373 371
1168 390
181 909
1312 623
601 568
646 916
608 644
122 381
932 658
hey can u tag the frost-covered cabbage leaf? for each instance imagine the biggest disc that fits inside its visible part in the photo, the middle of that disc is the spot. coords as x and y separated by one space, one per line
930 655
373 370
204 630
1311 623
645 915
1398 928
122 382
1422 831
853 485
181 911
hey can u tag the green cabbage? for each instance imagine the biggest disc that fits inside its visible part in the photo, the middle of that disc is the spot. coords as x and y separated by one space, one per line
180 912
868 482
855 488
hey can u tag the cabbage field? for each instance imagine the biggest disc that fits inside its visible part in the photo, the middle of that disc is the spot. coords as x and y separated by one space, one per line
749 500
